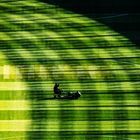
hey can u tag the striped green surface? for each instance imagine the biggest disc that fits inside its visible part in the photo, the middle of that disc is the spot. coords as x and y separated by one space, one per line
41 44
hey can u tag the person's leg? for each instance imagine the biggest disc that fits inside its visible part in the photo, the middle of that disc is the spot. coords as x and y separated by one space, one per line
59 95
54 96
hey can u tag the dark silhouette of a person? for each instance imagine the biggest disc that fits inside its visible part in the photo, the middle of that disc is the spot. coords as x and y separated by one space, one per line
57 91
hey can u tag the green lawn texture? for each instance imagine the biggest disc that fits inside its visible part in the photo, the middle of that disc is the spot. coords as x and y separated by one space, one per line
41 44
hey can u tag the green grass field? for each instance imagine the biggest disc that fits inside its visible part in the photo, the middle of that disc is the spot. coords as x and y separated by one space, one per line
41 44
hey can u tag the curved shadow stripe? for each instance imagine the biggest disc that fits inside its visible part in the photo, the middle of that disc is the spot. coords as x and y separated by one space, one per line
48 45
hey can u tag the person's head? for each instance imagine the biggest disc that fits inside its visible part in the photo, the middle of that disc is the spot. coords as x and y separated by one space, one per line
56 84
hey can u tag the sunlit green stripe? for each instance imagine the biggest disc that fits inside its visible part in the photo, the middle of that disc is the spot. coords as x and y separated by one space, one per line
12 86
14 114
14 125
13 94
99 85
103 104
14 105
18 85
91 108
9 135
105 126
87 50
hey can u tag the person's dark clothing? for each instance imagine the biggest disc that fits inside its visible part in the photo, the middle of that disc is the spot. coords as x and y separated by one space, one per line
56 90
